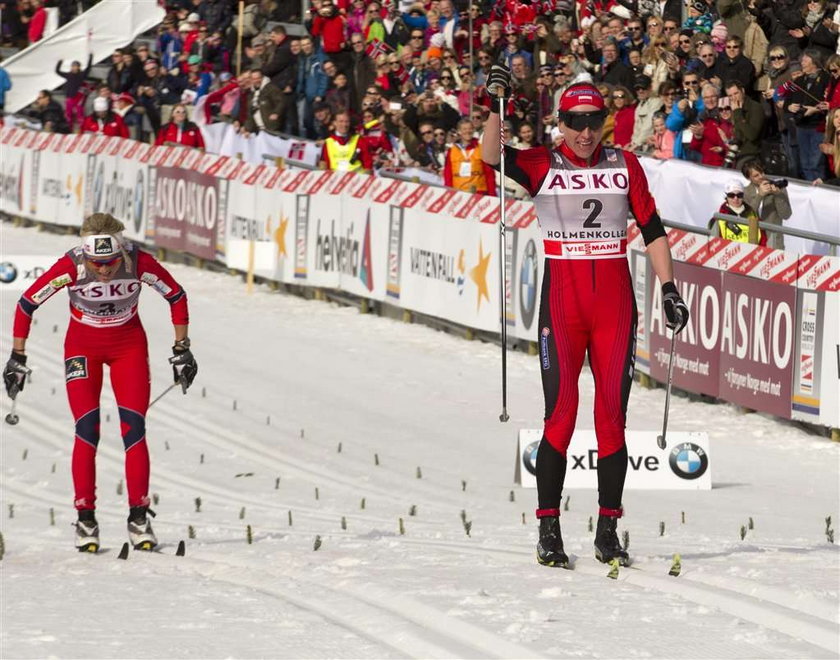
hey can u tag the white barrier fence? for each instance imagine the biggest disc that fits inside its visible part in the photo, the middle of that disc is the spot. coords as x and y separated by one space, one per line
765 329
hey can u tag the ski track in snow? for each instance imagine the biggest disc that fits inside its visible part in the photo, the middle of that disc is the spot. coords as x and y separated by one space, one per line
415 397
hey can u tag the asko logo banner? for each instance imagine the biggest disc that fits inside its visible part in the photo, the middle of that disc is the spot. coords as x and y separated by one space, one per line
189 211
757 341
697 355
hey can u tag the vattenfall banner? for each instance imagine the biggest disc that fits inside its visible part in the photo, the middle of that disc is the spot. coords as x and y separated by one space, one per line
765 325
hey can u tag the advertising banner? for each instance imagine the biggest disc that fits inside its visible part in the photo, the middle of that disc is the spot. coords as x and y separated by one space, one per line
450 269
697 352
18 272
16 176
525 262
683 465
116 182
189 210
242 226
364 269
757 326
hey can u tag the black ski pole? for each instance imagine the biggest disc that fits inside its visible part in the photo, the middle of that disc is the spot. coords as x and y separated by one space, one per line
164 393
660 439
503 253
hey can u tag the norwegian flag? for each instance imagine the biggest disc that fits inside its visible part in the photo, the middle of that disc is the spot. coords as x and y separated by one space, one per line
376 48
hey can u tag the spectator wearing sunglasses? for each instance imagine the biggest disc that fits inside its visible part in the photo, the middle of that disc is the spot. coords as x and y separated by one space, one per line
734 204
623 118
587 303
734 65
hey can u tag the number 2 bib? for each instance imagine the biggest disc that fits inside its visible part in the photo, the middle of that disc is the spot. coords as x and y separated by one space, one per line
583 210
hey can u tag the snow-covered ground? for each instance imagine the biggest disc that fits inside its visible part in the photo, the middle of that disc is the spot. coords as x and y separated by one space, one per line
285 382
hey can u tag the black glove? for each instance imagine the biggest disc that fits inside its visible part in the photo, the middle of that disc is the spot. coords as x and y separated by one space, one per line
676 311
15 373
184 367
498 78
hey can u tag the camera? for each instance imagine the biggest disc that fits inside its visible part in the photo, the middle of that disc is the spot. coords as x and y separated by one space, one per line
732 148
779 183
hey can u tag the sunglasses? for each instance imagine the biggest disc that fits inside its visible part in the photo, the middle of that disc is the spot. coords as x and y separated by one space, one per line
669 28
708 55
777 58
446 77
635 28
580 121
440 134
416 36
426 133
357 43
732 47
685 41
449 57
618 96
101 263
735 195
483 58
692 83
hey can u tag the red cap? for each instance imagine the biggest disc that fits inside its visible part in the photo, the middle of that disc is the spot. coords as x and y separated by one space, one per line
125 97
581 94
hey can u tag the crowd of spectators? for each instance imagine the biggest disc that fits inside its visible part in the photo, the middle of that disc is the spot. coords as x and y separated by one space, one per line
718 82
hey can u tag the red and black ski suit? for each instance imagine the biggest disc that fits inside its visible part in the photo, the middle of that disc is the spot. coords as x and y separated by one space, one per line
587 303
105 329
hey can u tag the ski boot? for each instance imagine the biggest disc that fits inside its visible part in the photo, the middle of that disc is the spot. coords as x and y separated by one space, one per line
607 546
140 532
87 531
550 547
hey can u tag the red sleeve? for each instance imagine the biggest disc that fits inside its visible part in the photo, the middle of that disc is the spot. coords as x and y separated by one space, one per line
528 167
447 169
325 155
59 275
121 126
36 25
151 272
161 136
317 25
365 153
199 139
490 178
89 126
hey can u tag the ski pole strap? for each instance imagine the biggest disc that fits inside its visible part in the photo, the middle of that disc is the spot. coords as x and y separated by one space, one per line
548 513
612 513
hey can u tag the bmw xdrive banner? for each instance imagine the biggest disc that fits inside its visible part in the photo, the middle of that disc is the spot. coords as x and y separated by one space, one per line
683 465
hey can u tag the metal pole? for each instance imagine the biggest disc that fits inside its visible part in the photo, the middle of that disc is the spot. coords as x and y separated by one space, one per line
660 440
472 67
164 393
503 253
239 38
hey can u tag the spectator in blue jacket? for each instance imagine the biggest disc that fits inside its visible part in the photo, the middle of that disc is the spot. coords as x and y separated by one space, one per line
5 85
312 83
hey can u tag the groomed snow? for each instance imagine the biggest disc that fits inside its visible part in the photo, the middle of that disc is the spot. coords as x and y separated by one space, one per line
305 376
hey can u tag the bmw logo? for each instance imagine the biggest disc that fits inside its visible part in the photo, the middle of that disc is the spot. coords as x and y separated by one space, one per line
8 272
529 457
528 284
688 461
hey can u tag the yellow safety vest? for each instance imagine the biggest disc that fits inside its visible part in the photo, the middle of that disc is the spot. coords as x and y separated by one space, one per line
341 154
467 168
730 235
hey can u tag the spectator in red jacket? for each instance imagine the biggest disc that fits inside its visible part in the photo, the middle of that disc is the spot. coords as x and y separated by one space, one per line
180 130
37 22
328 24
104 121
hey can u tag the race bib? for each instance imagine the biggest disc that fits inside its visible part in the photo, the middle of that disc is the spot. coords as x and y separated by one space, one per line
465 170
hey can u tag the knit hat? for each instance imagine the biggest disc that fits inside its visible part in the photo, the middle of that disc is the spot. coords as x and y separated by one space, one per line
100 104
699 5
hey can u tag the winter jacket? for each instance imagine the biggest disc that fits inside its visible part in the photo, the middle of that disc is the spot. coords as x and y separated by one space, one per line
112 125
312 81
187 135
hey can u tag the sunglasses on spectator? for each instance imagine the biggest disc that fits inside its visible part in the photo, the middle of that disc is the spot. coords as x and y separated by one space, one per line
484 58
735 195
777 58
732 46
440 134
580 121
691 82
685 41
426 132
446 77
708 55
834 69
669 28
618 96
449 57
654 24
357 43
634 28
416 36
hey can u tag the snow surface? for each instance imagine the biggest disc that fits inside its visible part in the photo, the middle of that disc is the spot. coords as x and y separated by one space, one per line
285 382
